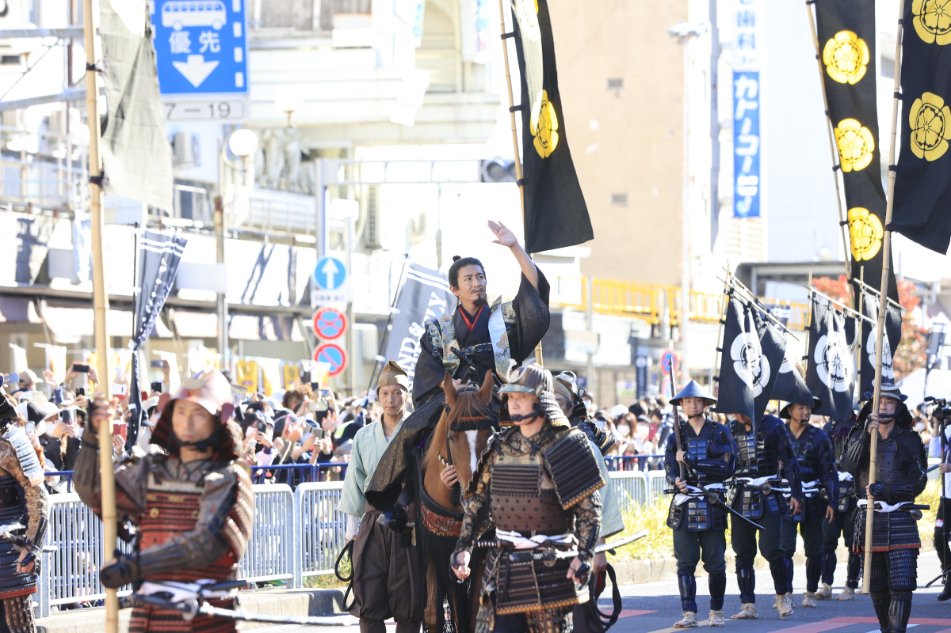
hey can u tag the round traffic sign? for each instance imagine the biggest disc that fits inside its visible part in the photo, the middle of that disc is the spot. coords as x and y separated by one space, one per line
329 323
333 355
330 273
669 358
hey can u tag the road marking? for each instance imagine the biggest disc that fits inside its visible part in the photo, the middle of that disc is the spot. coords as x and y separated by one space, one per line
878 631
673 629
628 613
814 627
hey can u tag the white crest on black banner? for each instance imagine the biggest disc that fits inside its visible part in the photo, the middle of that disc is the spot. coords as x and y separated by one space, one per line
887 369
749 362
833 361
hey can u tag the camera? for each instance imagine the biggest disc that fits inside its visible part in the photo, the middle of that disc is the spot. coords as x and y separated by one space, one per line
942 410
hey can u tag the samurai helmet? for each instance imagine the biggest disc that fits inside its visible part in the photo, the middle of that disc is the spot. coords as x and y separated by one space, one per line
566 385
693 390
210 390
786 411
533 379
893 390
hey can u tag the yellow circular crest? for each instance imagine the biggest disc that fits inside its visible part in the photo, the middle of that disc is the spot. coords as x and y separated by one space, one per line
932 20
855 143
846 57
930 120
865 231
544 125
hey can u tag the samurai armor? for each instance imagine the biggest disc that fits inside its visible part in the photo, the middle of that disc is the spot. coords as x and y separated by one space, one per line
891 530
753 504
16 615
846 491
23 501
753 458
525 586
701 515
573 468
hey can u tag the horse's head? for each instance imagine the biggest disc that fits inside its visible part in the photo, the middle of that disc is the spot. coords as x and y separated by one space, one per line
468 423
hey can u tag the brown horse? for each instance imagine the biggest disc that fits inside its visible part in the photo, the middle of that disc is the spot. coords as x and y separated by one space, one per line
458 440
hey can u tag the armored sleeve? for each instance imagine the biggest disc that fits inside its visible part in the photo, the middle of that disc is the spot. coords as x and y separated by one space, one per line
671 467
784 450
476 502
131 479
856 453
225 516
912 469
587 514
34 494
721 455
573 468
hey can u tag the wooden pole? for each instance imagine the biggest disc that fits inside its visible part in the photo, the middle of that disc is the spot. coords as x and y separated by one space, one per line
858 347
886 273
830 126
518 161
100 309
715 384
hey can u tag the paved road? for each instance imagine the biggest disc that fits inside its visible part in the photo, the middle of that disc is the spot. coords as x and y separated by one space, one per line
654 607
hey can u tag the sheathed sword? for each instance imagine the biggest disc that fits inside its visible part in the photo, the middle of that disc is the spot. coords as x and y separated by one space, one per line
714 499
570 553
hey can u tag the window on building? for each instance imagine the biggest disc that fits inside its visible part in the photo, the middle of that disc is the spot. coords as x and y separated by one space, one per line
619 199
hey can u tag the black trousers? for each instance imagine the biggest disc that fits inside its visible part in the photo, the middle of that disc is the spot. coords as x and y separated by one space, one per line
743 538
842 525
811 530
690 548
942 532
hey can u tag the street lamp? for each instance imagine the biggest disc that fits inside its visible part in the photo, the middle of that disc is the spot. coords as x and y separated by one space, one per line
242 143
684 32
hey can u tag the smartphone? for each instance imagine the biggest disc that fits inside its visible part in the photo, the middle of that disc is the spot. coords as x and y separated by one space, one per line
121 429
318 405
81 368
11 378
157 363
119 390
156 386
67 415
315 386
80 392
326 393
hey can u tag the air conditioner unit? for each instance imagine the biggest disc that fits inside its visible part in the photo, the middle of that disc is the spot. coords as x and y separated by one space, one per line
498 170
372 232
185 150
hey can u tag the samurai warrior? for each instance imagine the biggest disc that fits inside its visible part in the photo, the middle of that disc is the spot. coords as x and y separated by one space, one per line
24 517
571 404
697 511
193 506
537 482
763 450
899 478
816 459
842 524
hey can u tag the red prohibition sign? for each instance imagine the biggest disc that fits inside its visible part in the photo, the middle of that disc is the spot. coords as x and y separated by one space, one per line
329 323
333 355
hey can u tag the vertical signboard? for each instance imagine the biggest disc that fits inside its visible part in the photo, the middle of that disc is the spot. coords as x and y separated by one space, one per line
747 95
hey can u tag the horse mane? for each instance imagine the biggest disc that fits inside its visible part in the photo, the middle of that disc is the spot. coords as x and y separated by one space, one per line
467 404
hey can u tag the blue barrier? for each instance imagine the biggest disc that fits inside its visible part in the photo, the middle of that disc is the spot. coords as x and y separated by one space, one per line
632 462
309 473
66 474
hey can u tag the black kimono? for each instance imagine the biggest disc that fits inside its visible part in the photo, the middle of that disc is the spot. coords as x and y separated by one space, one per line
502 331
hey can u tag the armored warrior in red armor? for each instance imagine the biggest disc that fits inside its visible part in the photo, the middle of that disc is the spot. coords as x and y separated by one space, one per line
193 507
537 480
23 523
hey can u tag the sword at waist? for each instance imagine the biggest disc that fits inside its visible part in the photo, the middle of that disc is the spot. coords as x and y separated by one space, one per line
765 484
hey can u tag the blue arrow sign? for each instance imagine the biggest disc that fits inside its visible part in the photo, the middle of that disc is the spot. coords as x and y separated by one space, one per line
201 46
330 273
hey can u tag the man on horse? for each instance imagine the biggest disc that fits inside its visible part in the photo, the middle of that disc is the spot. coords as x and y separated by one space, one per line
488 335
385 576
537 482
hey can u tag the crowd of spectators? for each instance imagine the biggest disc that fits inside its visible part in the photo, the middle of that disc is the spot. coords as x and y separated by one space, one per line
302 434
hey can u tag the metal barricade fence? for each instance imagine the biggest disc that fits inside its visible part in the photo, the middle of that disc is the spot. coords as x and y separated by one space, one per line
270 553
319 529
296 535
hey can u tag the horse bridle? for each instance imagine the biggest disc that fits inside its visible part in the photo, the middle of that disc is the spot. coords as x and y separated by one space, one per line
472 423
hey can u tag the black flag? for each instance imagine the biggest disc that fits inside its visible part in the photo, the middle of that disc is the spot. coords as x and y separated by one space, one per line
425 295
846 30
922 209
555 212
752 352
830 374
870 336
159 256
790 387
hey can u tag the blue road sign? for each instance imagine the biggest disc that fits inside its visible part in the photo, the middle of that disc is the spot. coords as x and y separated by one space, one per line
201 46
333 355
330 273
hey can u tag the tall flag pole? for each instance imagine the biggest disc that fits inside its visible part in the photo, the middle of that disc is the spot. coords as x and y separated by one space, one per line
845 38
829 128
100 307
886 274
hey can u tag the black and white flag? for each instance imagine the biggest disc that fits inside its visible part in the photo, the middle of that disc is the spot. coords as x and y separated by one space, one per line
159 257
790 387
830 374
870 335
752 352
425 295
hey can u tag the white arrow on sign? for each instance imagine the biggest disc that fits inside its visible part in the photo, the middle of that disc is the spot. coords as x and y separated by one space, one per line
196 69
329 270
